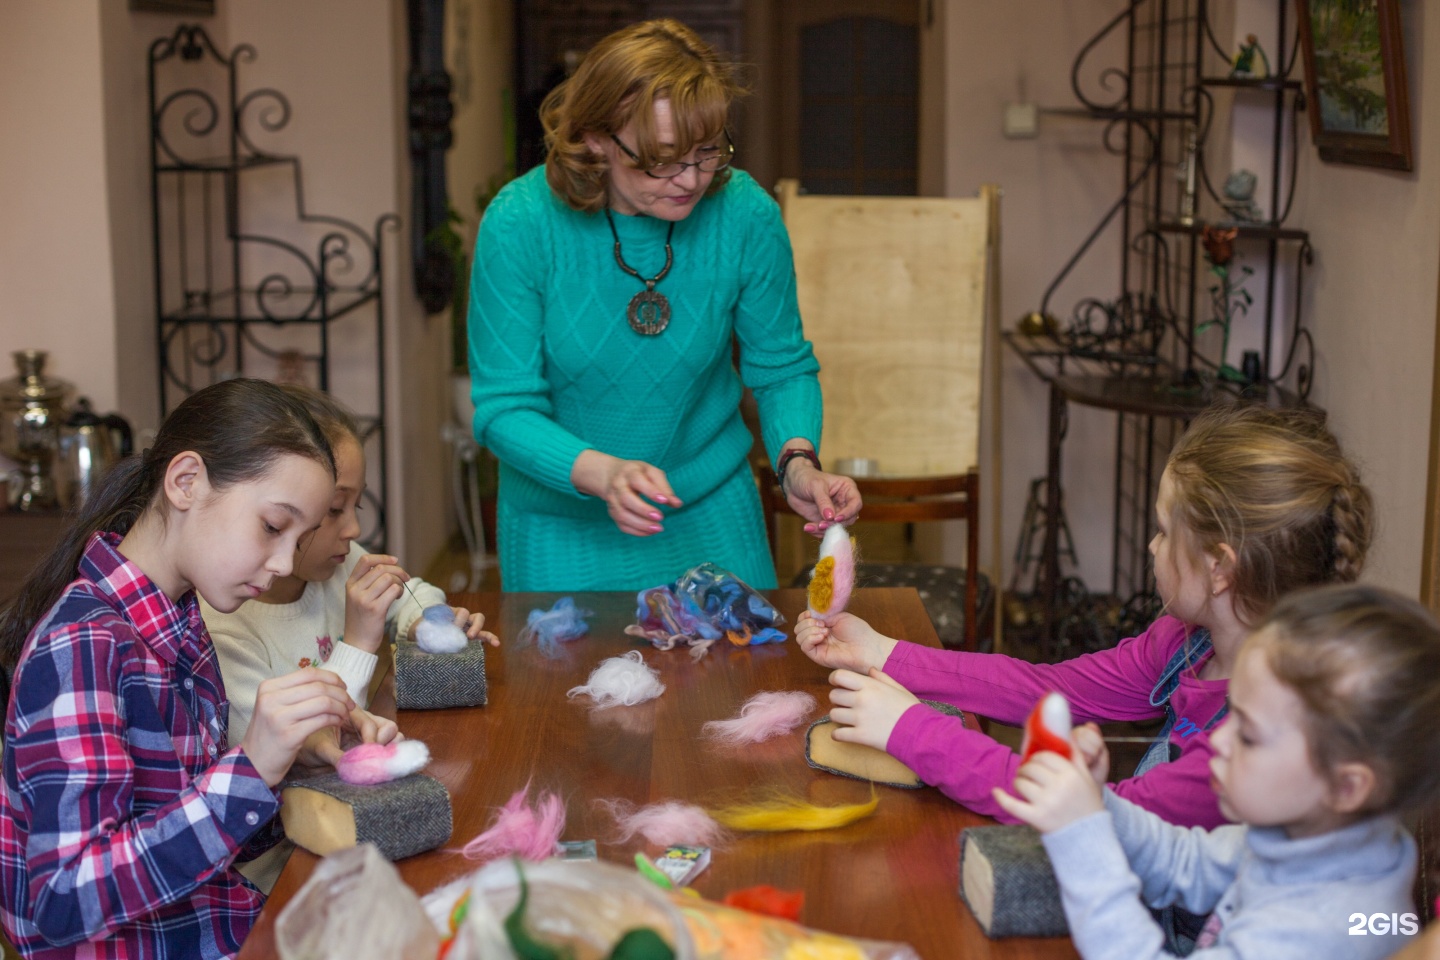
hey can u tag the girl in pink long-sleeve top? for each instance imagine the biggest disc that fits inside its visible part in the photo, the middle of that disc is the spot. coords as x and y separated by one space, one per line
1253 503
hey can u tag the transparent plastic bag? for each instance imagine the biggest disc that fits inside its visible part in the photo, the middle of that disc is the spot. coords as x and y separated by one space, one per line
355 905
589 906
704 605
725 933
582 906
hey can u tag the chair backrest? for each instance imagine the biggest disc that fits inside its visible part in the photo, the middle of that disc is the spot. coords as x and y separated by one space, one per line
893 295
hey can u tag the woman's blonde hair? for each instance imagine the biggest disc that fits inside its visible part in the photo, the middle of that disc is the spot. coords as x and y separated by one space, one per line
1275 487
1365 664
618 82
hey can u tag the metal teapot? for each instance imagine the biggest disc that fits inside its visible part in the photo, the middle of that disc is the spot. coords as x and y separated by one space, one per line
90 444
31 408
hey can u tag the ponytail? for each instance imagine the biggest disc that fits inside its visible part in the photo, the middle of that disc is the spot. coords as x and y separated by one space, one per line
238 428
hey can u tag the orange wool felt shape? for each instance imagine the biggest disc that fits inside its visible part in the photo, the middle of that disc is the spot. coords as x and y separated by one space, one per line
1047 728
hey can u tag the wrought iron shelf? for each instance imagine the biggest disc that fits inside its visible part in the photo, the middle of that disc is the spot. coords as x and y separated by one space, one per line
222 164
299 305
1253 83
236 292
1252 231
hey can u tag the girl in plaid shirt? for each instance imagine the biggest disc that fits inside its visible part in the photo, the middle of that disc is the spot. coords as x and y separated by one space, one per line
124 806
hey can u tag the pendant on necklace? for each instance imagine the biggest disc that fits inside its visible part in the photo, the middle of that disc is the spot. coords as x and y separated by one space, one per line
649 312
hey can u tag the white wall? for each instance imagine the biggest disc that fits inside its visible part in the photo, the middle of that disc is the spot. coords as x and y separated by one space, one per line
56 271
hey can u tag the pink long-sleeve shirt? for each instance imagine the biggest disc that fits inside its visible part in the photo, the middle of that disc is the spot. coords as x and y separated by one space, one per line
1110 685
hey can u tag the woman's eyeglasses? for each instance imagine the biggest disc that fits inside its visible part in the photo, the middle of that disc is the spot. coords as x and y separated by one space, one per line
673 168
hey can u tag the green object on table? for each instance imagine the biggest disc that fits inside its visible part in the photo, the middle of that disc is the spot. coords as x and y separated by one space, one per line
642 944
652 873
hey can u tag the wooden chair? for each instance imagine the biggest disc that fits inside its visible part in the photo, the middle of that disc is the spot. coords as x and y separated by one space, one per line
895 293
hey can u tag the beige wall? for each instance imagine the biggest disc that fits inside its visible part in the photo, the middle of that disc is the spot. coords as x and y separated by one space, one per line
1371 304
75 261
56 271
1056 188
1370 297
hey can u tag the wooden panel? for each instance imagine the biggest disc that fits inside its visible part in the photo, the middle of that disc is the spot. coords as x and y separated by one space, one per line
892 293
892 876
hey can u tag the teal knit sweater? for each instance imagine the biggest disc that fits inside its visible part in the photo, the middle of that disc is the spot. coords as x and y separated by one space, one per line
556 369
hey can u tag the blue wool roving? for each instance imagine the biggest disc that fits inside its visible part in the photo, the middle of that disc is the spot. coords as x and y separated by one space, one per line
437 631
560 624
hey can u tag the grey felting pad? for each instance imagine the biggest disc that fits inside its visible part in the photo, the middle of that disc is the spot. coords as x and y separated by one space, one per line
945 708
430 681
1010 886
402 818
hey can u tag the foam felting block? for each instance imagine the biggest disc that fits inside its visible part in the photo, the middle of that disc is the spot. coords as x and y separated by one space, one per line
401 818
1007 881
857 761
431 681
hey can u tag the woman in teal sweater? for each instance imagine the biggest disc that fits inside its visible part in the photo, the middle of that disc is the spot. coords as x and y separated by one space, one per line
607 289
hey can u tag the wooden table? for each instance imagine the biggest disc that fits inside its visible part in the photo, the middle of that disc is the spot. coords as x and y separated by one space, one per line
892 876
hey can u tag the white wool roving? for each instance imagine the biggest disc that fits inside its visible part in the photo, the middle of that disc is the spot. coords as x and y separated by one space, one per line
621 681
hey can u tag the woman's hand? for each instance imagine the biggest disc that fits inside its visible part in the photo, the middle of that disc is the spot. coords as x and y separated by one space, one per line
845 643
631 490
374 584
822 499
867 707
288 710
1056 792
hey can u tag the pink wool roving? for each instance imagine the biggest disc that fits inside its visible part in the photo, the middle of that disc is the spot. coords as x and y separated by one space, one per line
664 824
522 830
372 763
764 716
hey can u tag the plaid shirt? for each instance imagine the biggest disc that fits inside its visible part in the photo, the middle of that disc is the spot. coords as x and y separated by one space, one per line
122 811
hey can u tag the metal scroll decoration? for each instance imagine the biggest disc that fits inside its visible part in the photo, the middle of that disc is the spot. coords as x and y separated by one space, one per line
430 114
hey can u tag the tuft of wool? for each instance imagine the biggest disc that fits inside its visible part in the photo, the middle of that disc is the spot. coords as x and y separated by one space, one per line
548 629
621 680
834 575
437 631
522 829
769 714
664 824
372 763
792 813
769 901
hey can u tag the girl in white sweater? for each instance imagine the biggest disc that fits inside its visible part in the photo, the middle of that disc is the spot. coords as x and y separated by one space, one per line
338 605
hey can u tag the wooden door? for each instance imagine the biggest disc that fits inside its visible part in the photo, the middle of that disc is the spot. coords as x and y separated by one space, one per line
849 95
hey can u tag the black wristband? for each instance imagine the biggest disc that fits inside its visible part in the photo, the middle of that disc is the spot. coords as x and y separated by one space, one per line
789 455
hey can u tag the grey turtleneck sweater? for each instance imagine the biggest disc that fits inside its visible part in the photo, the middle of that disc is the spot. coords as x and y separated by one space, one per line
1272 898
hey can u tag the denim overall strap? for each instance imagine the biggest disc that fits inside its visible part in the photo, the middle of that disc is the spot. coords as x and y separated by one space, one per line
1191 651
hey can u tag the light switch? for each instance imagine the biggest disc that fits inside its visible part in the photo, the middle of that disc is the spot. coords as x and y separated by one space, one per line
1022 121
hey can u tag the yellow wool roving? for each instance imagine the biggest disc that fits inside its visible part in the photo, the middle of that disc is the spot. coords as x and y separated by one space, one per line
822 584
792 813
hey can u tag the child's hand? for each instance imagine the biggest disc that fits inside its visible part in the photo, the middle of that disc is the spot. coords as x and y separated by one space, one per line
845 643
474 626
374 585
288 710
867 708
1056 792
1091 744
324 748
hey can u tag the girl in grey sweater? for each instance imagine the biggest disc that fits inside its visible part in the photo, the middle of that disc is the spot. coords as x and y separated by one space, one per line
1334 707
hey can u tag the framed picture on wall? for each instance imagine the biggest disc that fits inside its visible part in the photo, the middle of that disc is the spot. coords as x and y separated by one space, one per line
193 8
1359 101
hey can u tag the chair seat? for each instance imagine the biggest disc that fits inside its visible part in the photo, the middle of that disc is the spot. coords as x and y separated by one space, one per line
941 589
